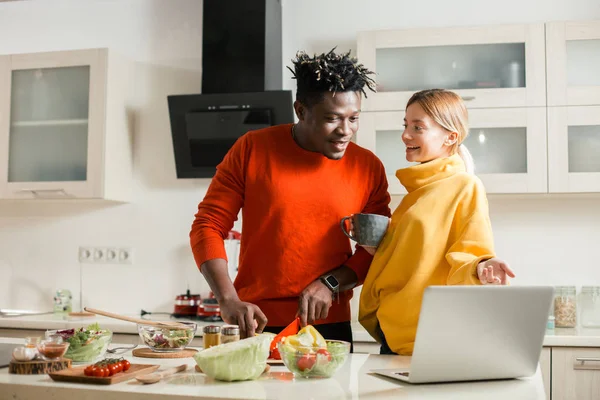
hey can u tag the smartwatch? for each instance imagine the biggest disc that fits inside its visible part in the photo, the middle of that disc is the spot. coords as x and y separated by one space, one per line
331 282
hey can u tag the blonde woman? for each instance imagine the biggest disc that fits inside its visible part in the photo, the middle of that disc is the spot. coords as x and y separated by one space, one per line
440 234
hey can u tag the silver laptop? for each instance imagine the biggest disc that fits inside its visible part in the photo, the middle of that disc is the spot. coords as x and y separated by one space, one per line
469 333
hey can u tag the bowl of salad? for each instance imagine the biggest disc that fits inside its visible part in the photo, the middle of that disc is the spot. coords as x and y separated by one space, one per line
85 344
320 361
164 339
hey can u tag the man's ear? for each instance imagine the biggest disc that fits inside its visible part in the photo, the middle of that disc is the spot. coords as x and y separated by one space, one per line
300 110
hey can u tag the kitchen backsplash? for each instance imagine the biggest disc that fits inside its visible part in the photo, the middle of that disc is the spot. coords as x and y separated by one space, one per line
546 240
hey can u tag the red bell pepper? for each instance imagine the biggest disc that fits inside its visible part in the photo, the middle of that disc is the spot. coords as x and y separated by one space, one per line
289 330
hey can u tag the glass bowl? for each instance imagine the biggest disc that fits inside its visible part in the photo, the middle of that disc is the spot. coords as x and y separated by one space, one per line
51 349
93 348
313 361
164 339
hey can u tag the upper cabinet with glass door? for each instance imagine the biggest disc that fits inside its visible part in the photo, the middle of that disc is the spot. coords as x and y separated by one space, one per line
574 149
64 129
508 146
573 63
499 66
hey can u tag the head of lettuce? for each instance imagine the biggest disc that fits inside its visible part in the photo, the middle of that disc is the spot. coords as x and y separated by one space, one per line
237 361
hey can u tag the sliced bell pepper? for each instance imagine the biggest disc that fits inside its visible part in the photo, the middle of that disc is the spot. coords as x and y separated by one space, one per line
289 330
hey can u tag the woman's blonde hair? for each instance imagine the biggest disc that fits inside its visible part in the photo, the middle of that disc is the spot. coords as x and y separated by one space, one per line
447 109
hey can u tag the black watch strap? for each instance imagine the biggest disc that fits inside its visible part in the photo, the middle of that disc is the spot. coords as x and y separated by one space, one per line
331 282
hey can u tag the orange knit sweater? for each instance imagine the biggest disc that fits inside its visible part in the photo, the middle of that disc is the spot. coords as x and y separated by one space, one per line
292 201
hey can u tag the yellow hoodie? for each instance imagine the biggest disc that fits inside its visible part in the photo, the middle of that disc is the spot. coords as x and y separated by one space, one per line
438 234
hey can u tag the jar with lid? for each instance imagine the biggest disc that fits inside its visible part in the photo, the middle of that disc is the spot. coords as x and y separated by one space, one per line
230 333
211 336
32 341
62 301
589 302
565 307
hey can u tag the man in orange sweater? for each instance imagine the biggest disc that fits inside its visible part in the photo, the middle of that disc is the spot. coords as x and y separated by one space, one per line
293 184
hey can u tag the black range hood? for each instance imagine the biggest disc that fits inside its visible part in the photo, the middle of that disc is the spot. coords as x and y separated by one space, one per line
241 84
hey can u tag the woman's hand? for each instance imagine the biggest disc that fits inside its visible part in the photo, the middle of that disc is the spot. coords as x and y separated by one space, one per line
494 272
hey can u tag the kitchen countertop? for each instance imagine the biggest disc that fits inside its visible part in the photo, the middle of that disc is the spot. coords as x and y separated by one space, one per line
352 381
573 337
63 321
576 337
559 337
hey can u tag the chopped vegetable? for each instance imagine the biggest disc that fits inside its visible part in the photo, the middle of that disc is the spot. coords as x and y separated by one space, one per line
86 344
167 338
289 330
309 354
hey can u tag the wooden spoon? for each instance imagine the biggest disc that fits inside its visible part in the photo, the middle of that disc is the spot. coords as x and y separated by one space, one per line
157 376
171 325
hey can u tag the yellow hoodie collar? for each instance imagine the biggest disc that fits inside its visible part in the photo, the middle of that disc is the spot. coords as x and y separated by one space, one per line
417 176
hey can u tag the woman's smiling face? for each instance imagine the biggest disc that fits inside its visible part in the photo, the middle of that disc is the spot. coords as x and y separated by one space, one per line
425 139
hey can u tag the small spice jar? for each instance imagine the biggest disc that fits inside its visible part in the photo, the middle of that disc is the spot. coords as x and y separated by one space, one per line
565 307
589 302
211 336
32 341
550 324
230 333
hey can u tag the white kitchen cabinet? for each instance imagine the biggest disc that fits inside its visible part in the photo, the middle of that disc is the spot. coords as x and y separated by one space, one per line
381 132
546 368
64 125
508 147
489 66
575 373
574 149
573 63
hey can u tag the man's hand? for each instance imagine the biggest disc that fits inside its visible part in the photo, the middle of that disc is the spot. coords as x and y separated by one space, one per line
314 303
494 272
247 316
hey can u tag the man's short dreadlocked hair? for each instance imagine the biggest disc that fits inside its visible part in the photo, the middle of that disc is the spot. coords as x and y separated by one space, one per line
329 72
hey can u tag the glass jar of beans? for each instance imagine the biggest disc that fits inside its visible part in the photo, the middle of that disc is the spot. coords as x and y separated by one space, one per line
565 306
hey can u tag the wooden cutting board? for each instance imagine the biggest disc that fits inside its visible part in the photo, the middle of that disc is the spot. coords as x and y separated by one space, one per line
146 352
76 375
38 366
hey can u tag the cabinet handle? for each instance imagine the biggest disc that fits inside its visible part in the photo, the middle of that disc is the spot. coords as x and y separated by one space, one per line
468 98
580 363
40 192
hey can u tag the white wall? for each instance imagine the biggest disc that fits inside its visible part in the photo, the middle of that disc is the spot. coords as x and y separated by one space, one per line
39 241
547 239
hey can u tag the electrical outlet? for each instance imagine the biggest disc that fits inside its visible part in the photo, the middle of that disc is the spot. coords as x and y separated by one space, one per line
112 255
105 255
99 255
125 255
85 254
